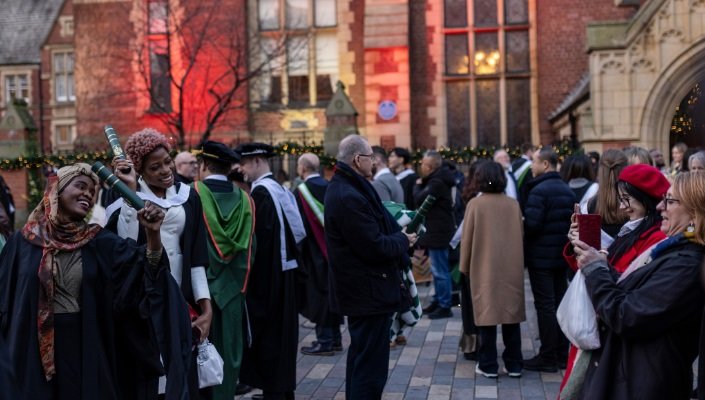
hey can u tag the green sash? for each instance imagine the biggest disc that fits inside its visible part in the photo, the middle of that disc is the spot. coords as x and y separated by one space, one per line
315 205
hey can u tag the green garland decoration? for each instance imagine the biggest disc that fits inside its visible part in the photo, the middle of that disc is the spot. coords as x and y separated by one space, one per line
464 155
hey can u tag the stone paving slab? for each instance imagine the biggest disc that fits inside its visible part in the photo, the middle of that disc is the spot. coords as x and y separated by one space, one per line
430 366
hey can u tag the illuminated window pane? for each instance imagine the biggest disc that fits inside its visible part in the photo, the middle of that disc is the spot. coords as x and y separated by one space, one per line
268 12
516 11
485 12
325 13
517 44
157 16
518 111
458 113
296 14
487 108
457 54
486 59
456 13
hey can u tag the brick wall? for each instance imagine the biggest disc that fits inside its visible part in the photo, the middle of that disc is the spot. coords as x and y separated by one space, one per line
562 57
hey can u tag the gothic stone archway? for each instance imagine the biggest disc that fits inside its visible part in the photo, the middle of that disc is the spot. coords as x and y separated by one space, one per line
640 70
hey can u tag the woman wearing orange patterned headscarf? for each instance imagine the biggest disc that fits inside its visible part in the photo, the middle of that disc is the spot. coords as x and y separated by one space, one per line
64 287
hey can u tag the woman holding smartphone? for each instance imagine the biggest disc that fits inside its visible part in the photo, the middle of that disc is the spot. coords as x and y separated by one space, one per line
640 188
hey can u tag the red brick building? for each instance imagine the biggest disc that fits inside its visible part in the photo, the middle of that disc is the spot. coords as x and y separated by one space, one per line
420 73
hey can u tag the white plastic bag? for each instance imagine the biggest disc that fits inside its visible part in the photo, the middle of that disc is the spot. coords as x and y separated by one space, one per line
576 316
210 365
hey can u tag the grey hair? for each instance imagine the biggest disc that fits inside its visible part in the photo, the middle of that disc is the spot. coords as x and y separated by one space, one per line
700 156
435 156
309 162
350 146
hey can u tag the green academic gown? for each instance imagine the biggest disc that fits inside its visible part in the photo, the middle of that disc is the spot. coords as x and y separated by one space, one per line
230 225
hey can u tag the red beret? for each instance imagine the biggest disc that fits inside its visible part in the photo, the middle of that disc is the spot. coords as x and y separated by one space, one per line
646 178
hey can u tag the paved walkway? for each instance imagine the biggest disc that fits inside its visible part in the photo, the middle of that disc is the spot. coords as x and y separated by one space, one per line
430 366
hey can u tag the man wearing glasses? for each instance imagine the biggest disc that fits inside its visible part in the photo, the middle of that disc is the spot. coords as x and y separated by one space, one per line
366 251
186 167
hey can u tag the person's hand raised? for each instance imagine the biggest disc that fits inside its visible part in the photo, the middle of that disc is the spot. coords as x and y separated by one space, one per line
125 171
151 217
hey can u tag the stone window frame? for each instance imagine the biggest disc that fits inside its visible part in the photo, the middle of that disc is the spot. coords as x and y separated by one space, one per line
66 24
55 77
283 37
14 71
502 76
63 146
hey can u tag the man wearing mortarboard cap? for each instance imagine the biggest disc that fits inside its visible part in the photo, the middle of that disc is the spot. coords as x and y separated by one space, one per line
229 219
269 363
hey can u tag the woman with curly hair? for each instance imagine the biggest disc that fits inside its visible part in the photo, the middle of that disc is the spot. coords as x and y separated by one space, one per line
148 153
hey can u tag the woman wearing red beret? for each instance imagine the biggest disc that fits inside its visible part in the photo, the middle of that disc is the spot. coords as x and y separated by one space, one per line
640 188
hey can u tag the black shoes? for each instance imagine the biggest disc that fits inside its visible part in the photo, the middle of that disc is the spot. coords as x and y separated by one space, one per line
470 356
241 389
430 308
440 312
540 364
317 350
337 346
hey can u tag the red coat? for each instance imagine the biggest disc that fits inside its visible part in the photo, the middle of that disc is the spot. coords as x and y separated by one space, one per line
647 239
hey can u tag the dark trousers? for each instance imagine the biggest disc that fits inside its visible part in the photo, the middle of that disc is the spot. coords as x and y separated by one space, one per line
487 353
328 335
549 286
368 357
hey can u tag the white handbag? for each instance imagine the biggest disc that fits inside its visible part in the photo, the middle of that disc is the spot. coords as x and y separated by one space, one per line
210 365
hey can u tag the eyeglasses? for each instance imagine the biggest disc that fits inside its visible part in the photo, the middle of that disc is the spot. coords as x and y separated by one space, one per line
372 156
669 201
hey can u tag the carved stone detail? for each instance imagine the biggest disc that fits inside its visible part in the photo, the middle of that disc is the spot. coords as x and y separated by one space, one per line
672 35
612 66
643 65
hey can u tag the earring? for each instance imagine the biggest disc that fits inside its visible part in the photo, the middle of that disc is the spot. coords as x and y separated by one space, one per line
690 228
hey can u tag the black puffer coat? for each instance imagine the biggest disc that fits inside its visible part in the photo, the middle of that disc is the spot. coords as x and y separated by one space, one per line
546 221
440 223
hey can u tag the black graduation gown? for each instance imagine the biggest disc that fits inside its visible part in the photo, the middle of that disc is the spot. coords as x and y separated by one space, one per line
194 249
313 271
117 281
408 183
270 362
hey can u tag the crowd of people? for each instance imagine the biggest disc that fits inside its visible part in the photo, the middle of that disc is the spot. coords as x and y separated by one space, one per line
223 255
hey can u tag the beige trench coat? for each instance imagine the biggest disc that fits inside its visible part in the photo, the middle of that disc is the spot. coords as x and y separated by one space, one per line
492 256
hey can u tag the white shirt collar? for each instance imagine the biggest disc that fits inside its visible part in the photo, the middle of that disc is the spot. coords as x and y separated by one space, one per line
382 172
217 177
311 176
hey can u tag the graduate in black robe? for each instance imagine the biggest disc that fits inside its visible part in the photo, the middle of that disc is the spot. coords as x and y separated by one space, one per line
313 271
74 354
269 363
183 231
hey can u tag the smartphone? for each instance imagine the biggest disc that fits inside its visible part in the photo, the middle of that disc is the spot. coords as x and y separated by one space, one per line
589 226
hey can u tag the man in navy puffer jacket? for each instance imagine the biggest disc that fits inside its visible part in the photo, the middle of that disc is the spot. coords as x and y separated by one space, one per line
547 213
